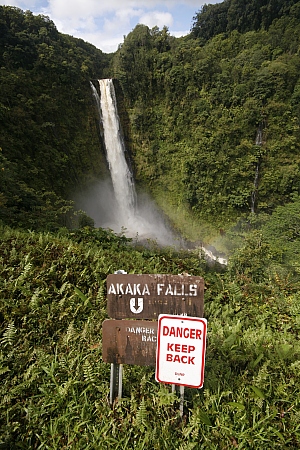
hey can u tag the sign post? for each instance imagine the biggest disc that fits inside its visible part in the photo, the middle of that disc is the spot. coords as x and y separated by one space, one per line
115 382
181 344
139 297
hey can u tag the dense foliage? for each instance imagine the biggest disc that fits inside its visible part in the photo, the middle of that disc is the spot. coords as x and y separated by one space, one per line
240 15
215 124
49 144
212 120
54 385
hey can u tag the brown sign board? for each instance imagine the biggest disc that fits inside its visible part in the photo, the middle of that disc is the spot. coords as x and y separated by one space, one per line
129 342
135 296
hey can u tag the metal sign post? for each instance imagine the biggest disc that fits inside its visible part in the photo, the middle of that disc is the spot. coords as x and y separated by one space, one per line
136 297
181 388
116 376
181 396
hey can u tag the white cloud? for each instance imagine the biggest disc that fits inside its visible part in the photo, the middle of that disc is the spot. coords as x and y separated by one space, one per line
74 9
104 23
179 33
157 18
66 9
79 8
121 20
22 4
106 43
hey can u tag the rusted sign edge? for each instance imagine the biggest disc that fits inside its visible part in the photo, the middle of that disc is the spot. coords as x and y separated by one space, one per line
129 342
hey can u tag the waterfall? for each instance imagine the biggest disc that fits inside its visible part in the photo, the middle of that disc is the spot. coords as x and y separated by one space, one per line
258 142
137 214
122 210
115 152
96 97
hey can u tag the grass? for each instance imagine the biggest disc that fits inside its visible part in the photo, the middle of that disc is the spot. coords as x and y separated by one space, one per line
54 385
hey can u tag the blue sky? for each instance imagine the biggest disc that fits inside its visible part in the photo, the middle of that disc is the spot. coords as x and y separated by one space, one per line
104 23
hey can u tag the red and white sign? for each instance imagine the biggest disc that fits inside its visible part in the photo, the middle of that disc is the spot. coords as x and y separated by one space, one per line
180 354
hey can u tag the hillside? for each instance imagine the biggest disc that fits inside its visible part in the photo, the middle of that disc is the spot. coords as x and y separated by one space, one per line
48 131
54 384
215 124
241 15
211 122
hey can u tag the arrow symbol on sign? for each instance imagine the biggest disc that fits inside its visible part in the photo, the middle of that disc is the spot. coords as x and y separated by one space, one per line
140 305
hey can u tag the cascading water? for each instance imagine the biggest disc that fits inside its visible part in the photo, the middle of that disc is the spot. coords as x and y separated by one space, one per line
137 214
137 218
96 97
115 153
258 142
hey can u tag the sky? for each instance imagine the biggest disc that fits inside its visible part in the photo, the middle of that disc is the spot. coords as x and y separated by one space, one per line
105 23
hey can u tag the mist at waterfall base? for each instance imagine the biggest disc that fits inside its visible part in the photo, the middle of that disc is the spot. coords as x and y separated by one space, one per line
146 224
114 203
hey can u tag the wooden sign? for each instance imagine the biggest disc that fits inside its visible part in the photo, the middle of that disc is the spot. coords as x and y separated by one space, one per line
129 342
147 296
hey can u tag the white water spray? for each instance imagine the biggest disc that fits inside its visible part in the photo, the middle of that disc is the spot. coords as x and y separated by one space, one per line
121 208
258 142
115 152
137 216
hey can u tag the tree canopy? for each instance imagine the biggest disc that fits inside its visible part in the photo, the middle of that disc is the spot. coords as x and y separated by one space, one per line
191 109
49 143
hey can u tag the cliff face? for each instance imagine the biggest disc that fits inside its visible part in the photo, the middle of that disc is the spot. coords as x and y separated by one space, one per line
195 111
49 131
190 111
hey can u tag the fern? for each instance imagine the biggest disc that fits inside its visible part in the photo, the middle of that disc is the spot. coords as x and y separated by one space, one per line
86 330
141 414
71 334
27 269
34 302
64 287
88 372
6 399
164 398
188 446
9 335
64 388
235 291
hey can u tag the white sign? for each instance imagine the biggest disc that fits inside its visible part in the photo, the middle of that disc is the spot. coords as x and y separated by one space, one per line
180 354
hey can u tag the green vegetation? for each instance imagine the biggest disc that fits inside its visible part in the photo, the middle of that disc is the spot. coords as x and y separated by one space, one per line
197 104
49 144
191 110
212 125
240 15
54 384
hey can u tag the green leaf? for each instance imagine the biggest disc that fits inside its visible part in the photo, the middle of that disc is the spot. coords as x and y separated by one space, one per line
258 359
236 405
258 392
205 419
80 294
4 370
284 350
277 433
